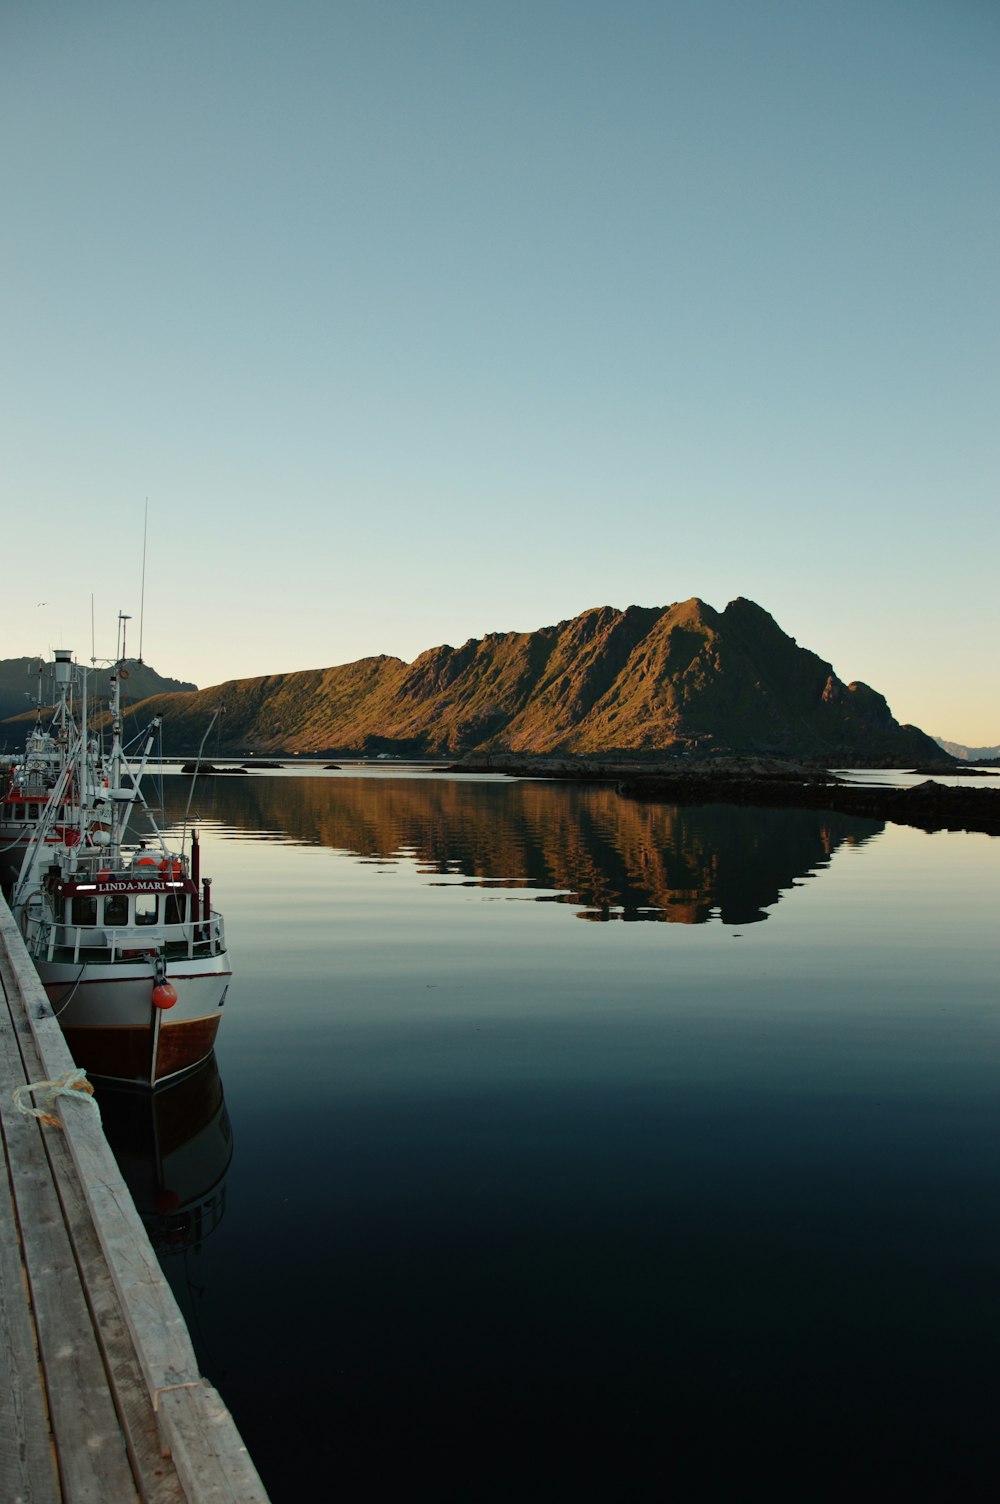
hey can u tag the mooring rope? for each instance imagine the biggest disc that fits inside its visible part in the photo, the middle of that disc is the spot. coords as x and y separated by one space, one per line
64 1002
72 1084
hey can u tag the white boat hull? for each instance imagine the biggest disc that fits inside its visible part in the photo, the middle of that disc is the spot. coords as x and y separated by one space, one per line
114 1029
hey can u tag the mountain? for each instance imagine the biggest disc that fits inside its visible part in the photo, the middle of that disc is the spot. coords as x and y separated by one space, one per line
19 683
969 754
683 678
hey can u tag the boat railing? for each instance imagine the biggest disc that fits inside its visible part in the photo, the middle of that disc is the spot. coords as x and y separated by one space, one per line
91 864
35 789
208 937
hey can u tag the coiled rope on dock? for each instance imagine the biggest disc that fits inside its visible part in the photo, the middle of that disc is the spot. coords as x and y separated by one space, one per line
72 1084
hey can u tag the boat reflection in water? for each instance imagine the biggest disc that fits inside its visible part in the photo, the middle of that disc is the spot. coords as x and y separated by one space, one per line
174 1148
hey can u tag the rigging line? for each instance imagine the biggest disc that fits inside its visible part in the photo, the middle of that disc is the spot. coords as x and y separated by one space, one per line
142 593
11 846
154 830
142 733
213 792
159 785
194 775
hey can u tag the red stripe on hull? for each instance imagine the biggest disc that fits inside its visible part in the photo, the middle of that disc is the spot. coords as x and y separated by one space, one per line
125 1054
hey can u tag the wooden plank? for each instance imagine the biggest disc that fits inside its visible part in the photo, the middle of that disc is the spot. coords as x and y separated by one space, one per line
208 1453
155 1475
199 1431
27 1466
93 1465
158 1330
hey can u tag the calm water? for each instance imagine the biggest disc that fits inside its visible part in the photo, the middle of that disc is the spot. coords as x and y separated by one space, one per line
583 1146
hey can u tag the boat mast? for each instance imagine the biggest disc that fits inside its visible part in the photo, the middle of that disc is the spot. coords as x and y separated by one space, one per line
69 785
142 592
63 686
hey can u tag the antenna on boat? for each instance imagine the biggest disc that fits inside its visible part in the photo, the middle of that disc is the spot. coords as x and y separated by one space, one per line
142 595
122 619
93 645
38 689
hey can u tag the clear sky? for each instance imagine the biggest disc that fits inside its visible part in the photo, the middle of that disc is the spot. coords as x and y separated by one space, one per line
419 319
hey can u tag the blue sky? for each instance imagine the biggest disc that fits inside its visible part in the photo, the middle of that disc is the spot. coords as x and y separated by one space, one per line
415 321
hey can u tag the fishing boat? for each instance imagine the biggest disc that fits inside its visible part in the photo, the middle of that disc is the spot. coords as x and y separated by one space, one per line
120 927
27 783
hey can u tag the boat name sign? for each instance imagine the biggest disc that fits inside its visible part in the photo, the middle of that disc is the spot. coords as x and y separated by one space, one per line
126 885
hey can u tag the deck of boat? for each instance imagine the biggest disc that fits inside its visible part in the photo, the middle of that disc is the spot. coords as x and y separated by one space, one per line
103 1398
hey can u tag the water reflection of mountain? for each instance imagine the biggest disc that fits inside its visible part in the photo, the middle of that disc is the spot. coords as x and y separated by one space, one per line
611 857
173 1148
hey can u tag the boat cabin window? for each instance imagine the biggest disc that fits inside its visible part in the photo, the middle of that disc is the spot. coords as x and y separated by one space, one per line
83 910
116 910
32 811
146 906
174 908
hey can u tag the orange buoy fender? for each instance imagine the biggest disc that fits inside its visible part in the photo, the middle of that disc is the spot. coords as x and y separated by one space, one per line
164 995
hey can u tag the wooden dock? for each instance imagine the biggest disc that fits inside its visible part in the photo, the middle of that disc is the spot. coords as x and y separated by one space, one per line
102 1400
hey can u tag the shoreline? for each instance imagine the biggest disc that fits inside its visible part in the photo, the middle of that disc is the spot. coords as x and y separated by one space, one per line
928 806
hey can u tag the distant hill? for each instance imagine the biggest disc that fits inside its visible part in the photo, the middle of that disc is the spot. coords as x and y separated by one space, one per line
969 754
685 678
19 679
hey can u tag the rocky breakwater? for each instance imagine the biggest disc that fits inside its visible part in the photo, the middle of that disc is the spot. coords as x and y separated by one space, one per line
645 769
773 782
928 806
209 770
